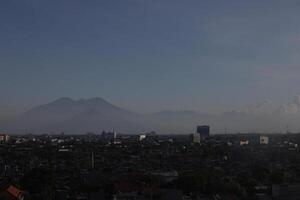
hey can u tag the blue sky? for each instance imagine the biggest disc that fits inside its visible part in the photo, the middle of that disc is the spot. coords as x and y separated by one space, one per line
149 55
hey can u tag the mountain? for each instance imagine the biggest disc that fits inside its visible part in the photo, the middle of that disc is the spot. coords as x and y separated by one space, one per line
72 116
96 114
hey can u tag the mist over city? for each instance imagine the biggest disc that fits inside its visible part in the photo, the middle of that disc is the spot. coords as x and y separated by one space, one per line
94 114
149 99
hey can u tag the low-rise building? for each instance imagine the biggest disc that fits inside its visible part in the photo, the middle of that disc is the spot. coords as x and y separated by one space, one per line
264 140
244 142
4 137
142 137
195 138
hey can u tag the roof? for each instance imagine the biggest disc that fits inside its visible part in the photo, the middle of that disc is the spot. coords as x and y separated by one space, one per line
15 192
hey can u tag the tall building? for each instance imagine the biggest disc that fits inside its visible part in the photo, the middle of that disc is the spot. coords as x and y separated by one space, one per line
203 131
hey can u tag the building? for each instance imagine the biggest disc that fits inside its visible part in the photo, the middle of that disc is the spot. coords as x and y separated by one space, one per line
166 176
142 137
203 131
108 136
285 192
4 137
244 142
195 138
10 192
264 140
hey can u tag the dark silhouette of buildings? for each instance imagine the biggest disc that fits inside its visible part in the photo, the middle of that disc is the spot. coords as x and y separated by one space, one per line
203 131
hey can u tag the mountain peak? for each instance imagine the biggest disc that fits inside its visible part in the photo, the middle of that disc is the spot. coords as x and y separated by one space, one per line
63 100
96 100
67 100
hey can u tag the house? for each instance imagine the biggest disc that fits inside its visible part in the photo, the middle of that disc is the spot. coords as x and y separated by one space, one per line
10 192
4 137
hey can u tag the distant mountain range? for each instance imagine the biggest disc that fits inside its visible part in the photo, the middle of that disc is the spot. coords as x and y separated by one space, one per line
96 114
93 115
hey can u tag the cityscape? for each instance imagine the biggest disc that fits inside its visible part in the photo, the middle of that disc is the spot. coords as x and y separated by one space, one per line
149 100
108 165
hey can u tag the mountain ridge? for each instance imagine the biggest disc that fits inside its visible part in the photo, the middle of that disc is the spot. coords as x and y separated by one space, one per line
96 114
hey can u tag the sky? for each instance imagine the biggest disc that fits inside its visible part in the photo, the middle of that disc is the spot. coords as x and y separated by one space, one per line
149 55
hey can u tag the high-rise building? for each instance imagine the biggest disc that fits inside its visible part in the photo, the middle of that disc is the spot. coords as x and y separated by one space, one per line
203 131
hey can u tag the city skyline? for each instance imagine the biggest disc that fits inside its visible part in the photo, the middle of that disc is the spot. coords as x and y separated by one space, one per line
149 99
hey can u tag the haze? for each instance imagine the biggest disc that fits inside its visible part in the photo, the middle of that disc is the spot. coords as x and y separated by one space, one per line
149 56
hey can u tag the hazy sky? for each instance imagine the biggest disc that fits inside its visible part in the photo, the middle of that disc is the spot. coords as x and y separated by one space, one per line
149 55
